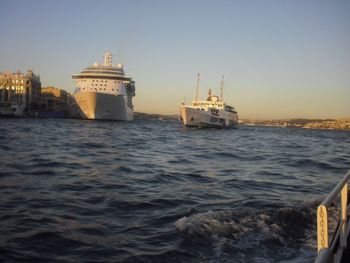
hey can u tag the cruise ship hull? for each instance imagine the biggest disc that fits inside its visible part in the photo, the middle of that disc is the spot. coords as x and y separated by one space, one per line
193 117
102 106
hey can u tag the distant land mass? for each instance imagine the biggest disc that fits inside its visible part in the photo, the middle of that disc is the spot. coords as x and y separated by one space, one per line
148 116
336 124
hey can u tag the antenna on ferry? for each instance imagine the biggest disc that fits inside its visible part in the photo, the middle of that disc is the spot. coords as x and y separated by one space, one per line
222 87
197 87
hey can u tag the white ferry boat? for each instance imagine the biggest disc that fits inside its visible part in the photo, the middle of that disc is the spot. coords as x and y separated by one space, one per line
213 112
104 92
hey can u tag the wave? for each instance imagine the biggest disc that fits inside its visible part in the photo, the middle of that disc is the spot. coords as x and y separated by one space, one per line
233 156
229 231
39 246
311 163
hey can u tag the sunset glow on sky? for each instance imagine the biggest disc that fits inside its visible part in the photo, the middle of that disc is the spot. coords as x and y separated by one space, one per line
281 59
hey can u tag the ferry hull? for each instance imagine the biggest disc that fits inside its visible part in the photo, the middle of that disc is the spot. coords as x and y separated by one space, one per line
101 106
192 117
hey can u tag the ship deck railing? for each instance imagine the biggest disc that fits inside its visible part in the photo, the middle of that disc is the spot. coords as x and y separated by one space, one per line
334 248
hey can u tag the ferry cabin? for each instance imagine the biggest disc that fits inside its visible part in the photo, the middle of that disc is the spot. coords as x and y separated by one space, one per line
213 104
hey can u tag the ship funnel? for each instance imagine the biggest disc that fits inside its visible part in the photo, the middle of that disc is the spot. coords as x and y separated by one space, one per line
108 59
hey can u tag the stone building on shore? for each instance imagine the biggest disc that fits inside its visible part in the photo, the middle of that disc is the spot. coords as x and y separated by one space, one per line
55 102
54 99
19 93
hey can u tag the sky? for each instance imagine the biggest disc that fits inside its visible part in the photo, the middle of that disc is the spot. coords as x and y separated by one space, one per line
280 58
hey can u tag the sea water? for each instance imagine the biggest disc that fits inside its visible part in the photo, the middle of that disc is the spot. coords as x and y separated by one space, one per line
153 191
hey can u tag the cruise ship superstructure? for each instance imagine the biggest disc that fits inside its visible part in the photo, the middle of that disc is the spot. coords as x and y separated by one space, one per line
104 92
213 112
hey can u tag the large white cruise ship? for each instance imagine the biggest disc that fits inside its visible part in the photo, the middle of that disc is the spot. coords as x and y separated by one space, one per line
104 92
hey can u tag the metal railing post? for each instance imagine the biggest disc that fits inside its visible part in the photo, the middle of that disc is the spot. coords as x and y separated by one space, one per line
343 219
322 227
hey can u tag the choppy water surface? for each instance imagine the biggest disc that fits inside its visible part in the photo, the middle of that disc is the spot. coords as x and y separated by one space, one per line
151 191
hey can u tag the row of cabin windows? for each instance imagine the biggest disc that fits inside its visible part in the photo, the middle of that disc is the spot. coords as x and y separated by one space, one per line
100 89
96 80
208 105
100 85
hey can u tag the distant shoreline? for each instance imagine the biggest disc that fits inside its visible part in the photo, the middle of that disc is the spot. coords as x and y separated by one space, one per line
325 124
330 124
143 115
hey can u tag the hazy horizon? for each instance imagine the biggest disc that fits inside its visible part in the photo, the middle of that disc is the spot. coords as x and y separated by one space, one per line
281 59
250 118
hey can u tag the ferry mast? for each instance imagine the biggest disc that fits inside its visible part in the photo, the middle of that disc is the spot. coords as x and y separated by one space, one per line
197 87
222 88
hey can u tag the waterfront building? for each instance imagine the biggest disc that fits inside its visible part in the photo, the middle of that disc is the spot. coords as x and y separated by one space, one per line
54 99
19 92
